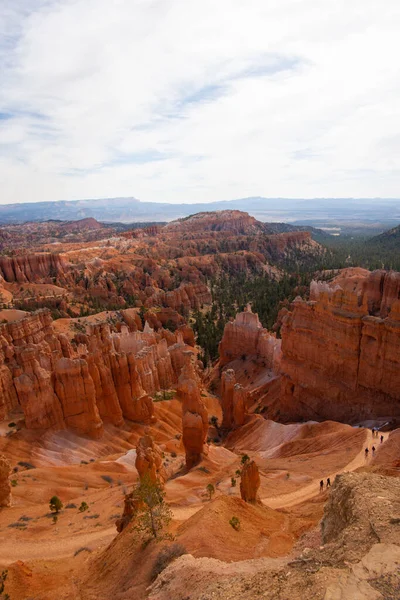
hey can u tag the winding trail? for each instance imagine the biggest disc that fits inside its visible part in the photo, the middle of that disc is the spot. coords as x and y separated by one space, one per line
312 489
11 551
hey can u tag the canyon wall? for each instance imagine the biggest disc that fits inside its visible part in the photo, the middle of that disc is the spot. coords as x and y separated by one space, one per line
341 352
100 376
245 337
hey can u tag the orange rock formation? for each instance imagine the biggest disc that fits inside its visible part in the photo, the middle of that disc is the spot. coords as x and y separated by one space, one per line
101 376
5 486
149 460
194 413
233 401
249 482
245 337
341 352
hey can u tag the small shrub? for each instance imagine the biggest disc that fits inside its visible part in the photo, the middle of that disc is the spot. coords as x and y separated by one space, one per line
108 479
235 523
210 490
14 482
83 507
204 470
287 475
12 424
27 465
55 504
55 519
17 525
245 458
238 472
233 482
165 557
92 460
83 549
84 462
174 454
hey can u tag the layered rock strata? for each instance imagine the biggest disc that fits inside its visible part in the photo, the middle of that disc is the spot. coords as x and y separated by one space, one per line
341 352
194 413
245 337
102 376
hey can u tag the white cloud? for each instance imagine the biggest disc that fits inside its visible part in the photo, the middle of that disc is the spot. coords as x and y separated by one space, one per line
197 100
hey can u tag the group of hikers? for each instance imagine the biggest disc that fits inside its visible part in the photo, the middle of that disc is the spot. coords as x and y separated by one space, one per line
375 434
321 484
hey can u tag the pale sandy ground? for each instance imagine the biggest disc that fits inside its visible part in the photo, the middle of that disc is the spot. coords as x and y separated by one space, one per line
186 494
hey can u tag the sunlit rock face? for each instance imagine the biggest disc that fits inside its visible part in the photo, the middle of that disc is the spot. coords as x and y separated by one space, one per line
102 377
341 351
194 413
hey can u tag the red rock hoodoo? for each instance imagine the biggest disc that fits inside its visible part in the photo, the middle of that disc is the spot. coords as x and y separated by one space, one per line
194 413
101 377
249 482
5 486
149 460
233 401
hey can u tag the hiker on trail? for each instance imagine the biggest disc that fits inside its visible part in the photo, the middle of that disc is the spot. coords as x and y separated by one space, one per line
382 439
366 452
373 449
321 485
328 482
373 432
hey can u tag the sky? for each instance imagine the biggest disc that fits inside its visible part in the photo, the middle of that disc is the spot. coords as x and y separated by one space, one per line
199 100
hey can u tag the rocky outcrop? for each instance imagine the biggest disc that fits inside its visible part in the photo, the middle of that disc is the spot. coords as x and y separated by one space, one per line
362 509
131 506
245 337
5 486
233 401
194 413
149 461
101 377
249 482
76 391
339 360
32 267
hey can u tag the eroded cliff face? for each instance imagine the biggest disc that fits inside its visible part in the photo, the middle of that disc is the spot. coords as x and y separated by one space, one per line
194 413
101 376
341 352
245 337
32 267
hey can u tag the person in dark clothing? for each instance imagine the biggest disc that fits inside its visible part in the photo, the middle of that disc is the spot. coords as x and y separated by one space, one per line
366 452
382 439
321 485
328 482
373 449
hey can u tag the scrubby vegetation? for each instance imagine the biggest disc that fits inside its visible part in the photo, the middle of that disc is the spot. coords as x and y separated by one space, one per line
165 557
235 523
55 504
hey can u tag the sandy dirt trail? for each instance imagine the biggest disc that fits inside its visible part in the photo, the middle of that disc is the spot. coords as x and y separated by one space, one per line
312 489
65 547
